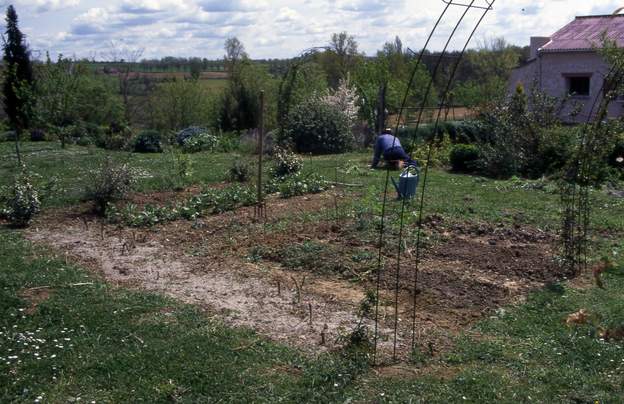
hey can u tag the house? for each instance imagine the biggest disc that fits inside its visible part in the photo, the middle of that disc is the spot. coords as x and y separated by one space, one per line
568 65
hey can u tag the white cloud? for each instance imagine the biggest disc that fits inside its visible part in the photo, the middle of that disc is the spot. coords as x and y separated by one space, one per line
279 28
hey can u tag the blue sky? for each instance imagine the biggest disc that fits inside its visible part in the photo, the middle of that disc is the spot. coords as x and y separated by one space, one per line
273 28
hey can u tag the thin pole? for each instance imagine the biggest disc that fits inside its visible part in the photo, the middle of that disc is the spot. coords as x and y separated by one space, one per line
260 149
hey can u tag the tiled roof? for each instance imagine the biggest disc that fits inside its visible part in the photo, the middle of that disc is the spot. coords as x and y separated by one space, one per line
585 33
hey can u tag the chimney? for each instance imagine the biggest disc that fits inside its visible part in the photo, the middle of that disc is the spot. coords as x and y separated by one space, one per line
536 43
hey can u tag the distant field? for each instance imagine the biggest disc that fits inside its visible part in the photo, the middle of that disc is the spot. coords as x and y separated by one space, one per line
178 75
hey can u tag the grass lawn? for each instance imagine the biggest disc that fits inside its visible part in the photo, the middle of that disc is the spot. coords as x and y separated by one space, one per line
65 334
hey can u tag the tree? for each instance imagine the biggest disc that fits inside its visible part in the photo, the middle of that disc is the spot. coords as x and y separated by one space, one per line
241 100
67 93
234 54
124 57
340 59
18 78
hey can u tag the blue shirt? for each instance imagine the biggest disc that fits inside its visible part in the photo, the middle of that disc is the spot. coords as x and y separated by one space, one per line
384 143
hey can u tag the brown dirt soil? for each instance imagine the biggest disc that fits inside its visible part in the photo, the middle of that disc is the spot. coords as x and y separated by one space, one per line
470 272
34 297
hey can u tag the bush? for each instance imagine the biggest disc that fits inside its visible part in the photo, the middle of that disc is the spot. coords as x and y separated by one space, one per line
200 142
37 135
286 163
464 158
21 201
239 172
8 136
148 141
110 183
188 133
316 127
115 137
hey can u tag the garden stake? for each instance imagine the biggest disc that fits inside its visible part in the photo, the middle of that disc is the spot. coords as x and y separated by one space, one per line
323 332
310 309
260 208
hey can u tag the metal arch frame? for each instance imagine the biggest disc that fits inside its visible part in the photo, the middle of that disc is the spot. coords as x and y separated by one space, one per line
575 202
385 198
490 4
291 72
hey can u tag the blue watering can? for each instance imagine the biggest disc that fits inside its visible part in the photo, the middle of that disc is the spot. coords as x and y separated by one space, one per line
408 183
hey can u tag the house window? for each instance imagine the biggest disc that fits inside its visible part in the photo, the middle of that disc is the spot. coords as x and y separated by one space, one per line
579 85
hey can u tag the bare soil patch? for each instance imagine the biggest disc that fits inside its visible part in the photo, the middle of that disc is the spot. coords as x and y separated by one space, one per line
301 281
34 296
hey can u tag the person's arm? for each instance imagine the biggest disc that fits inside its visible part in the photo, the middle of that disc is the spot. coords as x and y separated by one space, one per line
377 154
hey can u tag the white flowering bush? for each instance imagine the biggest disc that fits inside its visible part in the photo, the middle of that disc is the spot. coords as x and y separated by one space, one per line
109 183
286 163
21 200
344 99
200 142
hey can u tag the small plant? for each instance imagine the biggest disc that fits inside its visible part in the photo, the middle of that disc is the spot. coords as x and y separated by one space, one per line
297 185
239 172
111 182
148 141
181 169
21 200
286 163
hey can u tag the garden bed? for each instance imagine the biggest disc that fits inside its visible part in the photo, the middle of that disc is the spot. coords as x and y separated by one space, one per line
271 275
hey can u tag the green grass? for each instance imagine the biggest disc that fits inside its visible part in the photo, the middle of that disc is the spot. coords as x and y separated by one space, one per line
108 344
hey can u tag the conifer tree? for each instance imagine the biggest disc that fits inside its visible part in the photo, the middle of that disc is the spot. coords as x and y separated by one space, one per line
18 78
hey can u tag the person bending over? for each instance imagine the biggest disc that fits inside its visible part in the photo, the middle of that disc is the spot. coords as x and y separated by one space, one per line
390 148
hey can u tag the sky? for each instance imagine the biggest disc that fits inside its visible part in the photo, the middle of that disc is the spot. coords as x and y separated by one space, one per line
276 28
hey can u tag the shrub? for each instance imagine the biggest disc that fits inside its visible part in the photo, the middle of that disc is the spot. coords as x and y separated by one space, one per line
8 136
200 142
286 163
21 201
440 153
116 137
316 127
111 182
37 135
240 171
464 157
148 141
188 133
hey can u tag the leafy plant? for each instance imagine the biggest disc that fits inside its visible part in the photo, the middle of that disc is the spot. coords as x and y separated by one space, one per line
181 169
239 171
109 183
21 200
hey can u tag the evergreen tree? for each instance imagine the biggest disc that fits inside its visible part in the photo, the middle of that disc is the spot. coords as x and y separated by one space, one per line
18 78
